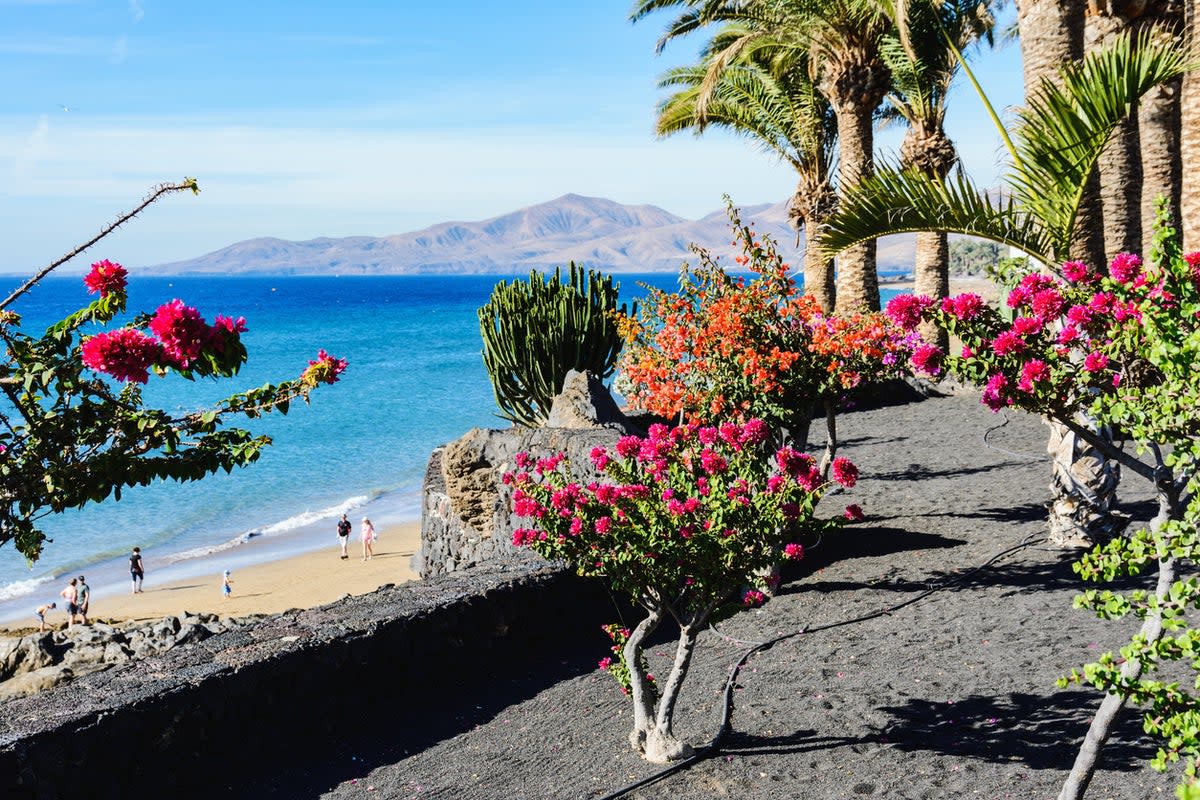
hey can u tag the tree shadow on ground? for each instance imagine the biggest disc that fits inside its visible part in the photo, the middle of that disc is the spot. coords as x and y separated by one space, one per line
1041 732
917 472
1037 731
864 543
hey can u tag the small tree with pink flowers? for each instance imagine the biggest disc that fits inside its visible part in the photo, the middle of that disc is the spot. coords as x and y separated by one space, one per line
685 520
74 428
1122 345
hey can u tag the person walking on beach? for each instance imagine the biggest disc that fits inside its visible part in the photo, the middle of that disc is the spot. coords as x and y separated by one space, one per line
368 539
226 586
83 596
41 615
137 570
343 529
70 595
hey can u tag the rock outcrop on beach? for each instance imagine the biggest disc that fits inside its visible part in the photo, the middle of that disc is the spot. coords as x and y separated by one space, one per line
464 516
38 661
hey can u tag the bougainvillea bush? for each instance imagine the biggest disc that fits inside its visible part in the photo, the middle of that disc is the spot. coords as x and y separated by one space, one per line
73 427
684 521
1123 345
727 347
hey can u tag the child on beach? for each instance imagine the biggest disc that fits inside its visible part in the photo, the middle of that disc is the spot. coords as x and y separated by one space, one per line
41 615
226 586
368 538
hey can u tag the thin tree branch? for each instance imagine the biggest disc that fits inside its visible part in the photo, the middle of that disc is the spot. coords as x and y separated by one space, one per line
155 193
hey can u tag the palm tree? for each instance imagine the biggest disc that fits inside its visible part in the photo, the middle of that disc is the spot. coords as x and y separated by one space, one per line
784 114
1059 138
922 68
840 39
1190 137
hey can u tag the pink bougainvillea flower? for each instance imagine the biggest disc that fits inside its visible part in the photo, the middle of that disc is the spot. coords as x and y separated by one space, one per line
1047 304
844 472
854 513
1094 362
125 354
755 431
793 551
1075 271
1034 371
753 597
966 306
605 662
1080 315
1024 326
325 369
1068 335
1008 343
628 446
1125 267
906 309
182 331
994 396
106 278
928 359
599 458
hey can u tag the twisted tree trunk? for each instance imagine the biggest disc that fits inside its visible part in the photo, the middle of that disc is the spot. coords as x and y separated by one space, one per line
640 690
1152 629
1083 489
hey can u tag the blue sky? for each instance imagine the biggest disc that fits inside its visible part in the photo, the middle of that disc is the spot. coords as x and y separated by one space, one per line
305 119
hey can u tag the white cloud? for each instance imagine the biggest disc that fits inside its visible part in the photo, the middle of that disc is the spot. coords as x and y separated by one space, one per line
136 11
32 149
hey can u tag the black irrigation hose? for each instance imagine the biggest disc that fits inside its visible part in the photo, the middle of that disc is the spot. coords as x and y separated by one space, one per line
713 747
1022 456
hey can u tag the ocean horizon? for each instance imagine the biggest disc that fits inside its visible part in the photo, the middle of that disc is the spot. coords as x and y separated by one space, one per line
415 381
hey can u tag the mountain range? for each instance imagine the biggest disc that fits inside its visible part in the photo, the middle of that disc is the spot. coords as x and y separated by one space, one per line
598 233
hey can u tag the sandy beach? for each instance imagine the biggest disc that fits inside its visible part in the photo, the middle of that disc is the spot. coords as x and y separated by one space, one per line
302 581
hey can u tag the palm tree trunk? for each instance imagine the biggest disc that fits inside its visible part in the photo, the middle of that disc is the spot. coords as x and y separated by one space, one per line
812 204
1189 105
1051 35
1120 165
857 279
931 277
1159 125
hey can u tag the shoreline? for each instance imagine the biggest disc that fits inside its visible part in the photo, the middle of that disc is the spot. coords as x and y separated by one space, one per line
303 580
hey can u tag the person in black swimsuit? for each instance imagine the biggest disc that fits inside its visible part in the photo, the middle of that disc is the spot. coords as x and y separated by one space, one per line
137 570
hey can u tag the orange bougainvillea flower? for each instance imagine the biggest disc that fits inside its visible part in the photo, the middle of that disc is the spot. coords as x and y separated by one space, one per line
723 344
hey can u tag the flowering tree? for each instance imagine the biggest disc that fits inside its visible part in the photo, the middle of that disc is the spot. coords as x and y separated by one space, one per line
727 347
686 519
1124 346
69 436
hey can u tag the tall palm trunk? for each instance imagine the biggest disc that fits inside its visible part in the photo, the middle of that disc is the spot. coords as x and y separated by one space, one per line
1189 105
812 204
1159 125
855 90
927 148
1120 167
1052 34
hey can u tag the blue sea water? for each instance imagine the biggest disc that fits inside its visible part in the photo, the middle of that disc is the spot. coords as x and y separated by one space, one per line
415 380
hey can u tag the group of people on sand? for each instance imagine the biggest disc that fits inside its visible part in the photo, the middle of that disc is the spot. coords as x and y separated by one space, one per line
368 536
77 596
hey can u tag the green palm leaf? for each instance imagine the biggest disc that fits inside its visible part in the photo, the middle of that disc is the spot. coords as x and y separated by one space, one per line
906 201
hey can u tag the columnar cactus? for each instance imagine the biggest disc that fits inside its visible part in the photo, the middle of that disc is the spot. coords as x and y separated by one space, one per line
536 331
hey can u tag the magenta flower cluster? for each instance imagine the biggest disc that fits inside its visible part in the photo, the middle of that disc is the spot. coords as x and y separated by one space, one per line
697 510
106 277
1066 335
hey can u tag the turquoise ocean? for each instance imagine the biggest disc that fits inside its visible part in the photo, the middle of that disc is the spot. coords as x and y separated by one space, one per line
415 381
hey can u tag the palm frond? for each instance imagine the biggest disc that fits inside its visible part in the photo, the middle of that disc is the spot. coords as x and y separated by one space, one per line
1063 129
904 201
